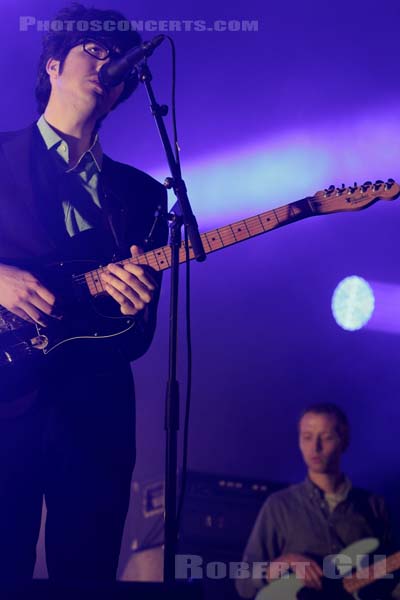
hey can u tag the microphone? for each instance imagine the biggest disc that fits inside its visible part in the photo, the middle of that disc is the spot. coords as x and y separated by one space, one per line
116 71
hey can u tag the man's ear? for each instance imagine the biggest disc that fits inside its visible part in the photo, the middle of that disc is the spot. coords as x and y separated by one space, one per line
52 68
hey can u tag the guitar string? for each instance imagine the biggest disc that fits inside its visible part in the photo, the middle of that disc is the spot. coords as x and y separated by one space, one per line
222 232
227 234
82 278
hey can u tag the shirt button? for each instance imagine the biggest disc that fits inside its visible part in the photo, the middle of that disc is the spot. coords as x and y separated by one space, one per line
63 147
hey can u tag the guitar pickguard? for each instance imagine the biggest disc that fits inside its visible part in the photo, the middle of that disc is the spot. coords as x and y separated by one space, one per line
82 317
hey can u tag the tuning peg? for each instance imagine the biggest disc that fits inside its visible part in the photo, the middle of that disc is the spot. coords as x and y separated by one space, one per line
378 184
329 190
389 183
340 190
366 185
353 188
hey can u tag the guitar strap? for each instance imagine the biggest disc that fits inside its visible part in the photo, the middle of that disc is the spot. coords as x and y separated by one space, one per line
364 507
115 210
114 227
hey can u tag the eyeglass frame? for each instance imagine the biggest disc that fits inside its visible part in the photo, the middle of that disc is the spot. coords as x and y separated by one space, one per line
110 53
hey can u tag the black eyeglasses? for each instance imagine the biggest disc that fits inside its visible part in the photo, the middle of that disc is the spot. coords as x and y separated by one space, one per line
98 51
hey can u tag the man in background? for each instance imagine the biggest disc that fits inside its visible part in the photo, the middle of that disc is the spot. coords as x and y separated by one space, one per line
299 526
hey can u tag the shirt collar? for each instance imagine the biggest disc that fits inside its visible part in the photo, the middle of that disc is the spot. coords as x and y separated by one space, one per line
343 490
53 140
314 491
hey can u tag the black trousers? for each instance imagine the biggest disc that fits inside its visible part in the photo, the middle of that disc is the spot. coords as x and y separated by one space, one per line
75 446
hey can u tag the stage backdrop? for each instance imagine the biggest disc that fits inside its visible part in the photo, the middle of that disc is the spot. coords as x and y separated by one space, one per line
290 98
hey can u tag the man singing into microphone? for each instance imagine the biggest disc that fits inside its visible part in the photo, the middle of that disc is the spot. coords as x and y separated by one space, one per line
71 439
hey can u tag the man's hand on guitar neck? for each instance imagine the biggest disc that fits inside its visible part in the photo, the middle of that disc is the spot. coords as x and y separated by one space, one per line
306 569
24 295
132 286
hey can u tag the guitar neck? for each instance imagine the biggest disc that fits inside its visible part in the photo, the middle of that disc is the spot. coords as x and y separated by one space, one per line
363 577
222 237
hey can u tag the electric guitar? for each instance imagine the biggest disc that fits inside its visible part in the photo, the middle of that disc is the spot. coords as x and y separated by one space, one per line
344 567
89 312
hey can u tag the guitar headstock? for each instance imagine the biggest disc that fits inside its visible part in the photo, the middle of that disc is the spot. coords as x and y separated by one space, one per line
355 197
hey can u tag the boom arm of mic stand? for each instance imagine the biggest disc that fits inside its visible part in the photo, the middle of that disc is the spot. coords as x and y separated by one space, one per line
183 207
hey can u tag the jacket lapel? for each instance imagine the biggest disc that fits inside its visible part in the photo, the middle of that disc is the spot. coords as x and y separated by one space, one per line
21 217
17 149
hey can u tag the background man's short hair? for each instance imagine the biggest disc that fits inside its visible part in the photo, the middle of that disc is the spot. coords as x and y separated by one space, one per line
329 408
57 44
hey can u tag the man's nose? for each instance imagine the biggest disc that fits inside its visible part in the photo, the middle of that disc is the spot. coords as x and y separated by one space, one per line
101 63
317 445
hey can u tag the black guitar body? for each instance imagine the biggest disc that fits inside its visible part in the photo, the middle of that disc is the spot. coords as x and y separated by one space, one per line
24 346
82 316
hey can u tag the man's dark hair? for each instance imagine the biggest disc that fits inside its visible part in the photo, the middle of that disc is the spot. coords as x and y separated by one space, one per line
57 44
328 408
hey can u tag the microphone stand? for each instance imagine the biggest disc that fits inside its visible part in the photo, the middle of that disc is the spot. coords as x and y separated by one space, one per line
181 214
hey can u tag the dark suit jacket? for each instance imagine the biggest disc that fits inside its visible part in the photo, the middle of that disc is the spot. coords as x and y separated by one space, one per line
32 227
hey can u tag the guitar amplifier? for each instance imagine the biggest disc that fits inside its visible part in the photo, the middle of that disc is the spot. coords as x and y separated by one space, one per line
220 511
218 514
